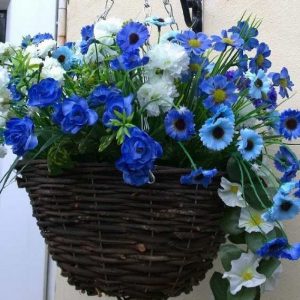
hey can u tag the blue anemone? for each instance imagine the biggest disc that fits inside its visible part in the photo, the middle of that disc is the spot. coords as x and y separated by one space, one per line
40 37
250 144
273 248
284 82
199 177
260 60
290 124
101 94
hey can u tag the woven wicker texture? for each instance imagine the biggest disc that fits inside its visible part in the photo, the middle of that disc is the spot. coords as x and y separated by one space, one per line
152 242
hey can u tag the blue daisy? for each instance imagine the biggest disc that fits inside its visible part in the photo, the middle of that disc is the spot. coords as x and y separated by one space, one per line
199 177
268 101
193 42
222 42
217 134
289 125
250 144
219 91
64 55
169 36
260 61
132 36
259 85
223 112
179 124
273 248
284 82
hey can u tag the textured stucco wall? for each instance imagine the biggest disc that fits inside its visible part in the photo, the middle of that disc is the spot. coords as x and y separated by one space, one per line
280 29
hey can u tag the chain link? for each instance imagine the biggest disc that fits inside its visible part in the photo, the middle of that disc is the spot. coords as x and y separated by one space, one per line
108 6
147 9
169 9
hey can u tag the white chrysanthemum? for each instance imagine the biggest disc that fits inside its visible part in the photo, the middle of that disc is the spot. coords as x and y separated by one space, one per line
6 48
247 108
167 60
45 47
251 220
104 29
243 273
52 69
3 151
272 281
156 97
93 52
4 78
231 193
32 50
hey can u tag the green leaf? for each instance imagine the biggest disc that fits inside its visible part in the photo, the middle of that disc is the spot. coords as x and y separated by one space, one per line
228 253
233 170
237 238
219 286
268 266
244 294
253 200
105 141
230 221
256 240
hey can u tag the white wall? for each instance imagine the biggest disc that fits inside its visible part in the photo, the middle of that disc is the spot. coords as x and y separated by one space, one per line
22 250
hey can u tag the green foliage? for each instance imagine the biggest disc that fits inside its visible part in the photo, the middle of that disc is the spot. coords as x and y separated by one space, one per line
268 266
219 286
244 294
228 253
230 221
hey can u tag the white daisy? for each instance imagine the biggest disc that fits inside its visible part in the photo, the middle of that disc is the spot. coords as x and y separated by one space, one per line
52 69
243 273
251 220
231 193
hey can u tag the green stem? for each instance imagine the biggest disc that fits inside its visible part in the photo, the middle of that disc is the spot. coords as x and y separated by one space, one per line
194 166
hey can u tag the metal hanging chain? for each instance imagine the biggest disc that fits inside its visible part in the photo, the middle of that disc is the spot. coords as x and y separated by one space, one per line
147 9
169 9
108 6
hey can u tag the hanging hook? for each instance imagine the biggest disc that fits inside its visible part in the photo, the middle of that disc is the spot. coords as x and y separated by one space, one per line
194 21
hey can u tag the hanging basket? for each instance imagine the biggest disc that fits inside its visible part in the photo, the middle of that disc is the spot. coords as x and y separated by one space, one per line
153 242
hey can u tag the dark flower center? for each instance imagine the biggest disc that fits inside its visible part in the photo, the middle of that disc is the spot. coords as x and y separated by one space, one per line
133 38
180 124
250 145
258 83
160 20
61 59
199 177
218 132
275 247
291 123
286 205
139 150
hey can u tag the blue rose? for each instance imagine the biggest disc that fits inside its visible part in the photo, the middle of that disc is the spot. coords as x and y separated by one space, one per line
116 103
73 114
19 134
44 93
139 151
102 93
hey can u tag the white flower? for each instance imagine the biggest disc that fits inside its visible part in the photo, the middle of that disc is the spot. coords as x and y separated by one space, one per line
105 29
243 273
91 56
6 48
231 194
272 282
52 69
251 220
4 78
3 151
3 117
32 50
157 96
45 47
167 60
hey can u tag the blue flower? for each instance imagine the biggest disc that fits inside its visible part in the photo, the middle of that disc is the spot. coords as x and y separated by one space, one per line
87 35
19 134
248 34
15 94
132 36
73 114
223 41
267 101
217 134
179 124
102 93
70 45
289 125
260 61
273 248
44 93
243 62
128 61
64 55
169 36
286 162
259 85
199 177
116 103
40 37
193 42
159 22
250 144
284 208
284 82
139 152
291 252
223 112
219 91
26 41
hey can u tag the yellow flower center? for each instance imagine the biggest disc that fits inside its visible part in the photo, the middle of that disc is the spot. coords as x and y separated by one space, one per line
260 60
194 43
247 275
219 95
283 82
228 41
234 189
256 219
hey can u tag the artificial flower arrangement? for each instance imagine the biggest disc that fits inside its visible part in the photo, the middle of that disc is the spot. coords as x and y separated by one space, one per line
192 101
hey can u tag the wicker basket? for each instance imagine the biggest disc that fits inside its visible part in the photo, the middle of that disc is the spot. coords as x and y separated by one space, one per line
152 243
